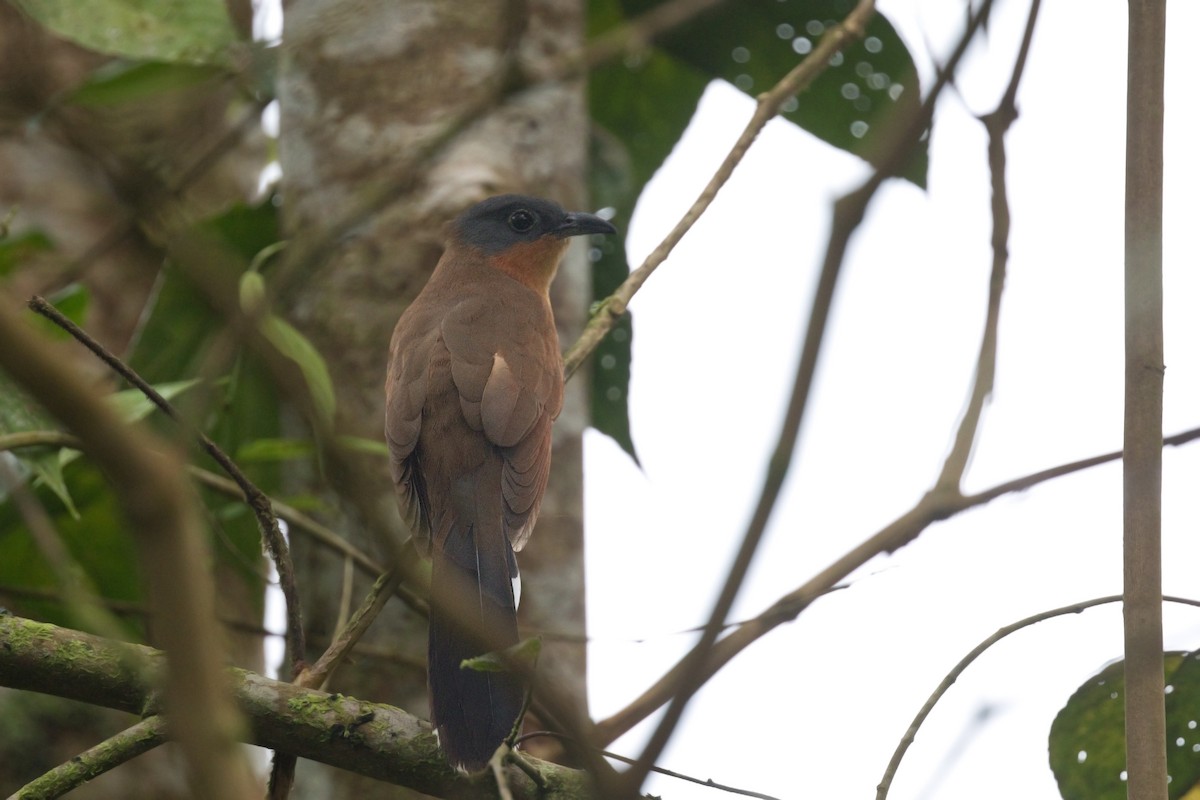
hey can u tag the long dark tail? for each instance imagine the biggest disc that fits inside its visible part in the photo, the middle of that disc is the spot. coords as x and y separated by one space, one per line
473 611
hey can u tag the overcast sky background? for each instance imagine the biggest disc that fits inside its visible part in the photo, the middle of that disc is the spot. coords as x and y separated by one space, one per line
816 708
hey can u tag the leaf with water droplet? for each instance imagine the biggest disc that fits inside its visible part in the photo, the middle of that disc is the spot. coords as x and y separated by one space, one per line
741 43
1093 722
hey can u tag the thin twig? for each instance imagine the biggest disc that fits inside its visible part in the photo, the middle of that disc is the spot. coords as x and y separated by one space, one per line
320 672
997 123
932 508
95 761
296 520
953 675
273 539
709 782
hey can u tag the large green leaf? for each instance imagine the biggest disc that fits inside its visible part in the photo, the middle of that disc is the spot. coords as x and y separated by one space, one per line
611 179
296 346
124 81
754 43
1087 738
175 343
183 31
95 537
16 248
172 347
20 414
640 108
133 405
642 104
172 343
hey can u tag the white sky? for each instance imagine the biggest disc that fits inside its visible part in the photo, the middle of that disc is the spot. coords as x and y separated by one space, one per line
816 708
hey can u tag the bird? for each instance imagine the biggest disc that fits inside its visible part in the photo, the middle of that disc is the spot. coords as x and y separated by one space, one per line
474 382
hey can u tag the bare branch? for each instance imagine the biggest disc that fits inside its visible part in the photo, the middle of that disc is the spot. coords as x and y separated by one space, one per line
347 638
997 123
95 761
372 739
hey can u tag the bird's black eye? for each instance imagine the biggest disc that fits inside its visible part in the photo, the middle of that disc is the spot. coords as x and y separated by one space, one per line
522 221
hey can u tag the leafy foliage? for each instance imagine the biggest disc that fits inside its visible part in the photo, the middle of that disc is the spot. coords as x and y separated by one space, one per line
1087 738
123 81
642 105
94 536
180 31
19 414
16 248
236 409
85 514
754 43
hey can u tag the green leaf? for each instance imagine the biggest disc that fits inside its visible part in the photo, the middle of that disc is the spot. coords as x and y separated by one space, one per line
180 326
524 652
611 363
275 450
371 447
252 292
753 43
296 346
1087 738
642 105
640 108
20 414
177 31
243 406
122 81
250 230
48 467
612 179
133 405
95 535
16 248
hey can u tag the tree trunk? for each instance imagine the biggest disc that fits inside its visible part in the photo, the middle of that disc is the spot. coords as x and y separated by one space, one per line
415 98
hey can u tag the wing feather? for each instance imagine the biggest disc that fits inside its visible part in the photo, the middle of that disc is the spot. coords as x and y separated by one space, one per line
505 364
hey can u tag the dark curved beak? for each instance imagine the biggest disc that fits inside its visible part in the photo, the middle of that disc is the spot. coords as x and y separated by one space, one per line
578 223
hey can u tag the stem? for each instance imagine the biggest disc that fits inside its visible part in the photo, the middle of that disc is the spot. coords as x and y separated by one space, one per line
1145 711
